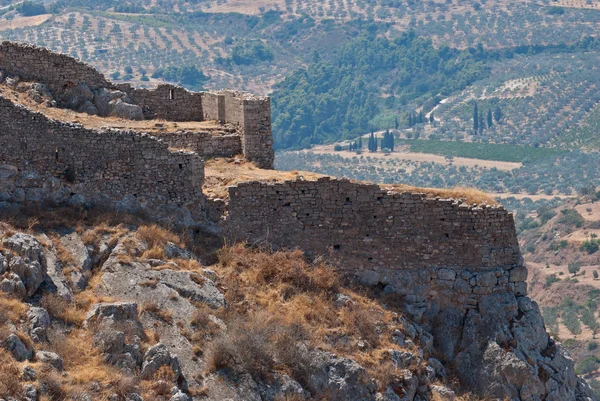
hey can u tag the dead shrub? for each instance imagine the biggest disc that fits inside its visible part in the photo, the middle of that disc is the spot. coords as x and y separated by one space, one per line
63 310
125 386
162 381
259 344
51 386
156 236
10 376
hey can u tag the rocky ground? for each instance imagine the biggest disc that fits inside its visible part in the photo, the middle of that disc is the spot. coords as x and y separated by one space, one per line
99 306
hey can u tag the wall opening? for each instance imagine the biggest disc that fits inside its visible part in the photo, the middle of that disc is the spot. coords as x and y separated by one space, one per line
337 247
180 166
56 154
171 94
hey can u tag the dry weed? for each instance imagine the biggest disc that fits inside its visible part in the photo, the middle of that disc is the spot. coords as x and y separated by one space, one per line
60 309
10 376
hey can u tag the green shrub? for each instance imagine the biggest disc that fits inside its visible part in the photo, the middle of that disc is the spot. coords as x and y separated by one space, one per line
588 365
551 279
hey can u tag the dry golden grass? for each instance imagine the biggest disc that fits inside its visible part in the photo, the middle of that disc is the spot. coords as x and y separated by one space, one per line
221 173
156 237
278 299
468 195
165 315
10 376
63 310
12 309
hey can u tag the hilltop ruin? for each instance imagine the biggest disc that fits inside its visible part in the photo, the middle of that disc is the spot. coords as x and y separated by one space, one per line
456 267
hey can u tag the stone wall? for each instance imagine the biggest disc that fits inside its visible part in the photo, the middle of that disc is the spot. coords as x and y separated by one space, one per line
59 71
168 102
110 164
205 144
411 245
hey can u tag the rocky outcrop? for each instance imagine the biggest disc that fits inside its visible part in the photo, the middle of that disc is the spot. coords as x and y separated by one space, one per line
24 264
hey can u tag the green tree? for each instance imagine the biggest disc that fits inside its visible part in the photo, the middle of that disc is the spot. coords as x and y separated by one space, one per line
475 120
490 119
396 122
360 145
574 267
595 273
128 69
431 118
497 114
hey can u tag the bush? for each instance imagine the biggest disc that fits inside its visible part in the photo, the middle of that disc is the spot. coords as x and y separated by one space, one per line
338 148
571 217
31 8
592 345
551 279
588 365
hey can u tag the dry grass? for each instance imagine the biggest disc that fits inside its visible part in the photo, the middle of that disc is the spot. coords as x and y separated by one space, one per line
10 376
60 309
156 237
11 309
221 173
278 299
468 195
162 314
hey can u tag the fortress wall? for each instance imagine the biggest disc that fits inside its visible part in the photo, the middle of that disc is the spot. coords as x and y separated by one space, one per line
169 102
205 144
116 164
258 138
213 106
423 249
59 71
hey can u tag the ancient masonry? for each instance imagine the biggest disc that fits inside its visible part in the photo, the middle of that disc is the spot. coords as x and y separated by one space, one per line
433 252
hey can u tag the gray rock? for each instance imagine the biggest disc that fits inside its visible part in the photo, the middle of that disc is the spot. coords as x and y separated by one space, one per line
55 280
3 264
112 313
78 95
443 393
404 360
24 245
343 378
180 396
172 251
440 370
39 322
88 108
124 110
50 358
369 277
29 374
341 300
280 387
30 272
12 82
31 393
12 285
159 356
18 348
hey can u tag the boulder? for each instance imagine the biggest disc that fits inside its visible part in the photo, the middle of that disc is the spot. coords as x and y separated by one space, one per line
12 285
78 95
126 111
50 358
109 314
282 387
20 350
89 108
31 273
343 378
8 177
24 245
39 322
159 356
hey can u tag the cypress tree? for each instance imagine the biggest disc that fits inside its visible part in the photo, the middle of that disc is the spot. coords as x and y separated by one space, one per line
490 121
497 114
475 119
375 144
410 120
360 142
391 142
431 118
481 122
371 142
396 122
421 121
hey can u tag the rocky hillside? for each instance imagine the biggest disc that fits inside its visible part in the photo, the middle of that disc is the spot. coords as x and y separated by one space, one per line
101 306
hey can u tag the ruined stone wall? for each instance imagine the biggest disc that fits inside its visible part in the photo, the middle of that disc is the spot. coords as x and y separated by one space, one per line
110 164
168 102
410 244
205 144
59 71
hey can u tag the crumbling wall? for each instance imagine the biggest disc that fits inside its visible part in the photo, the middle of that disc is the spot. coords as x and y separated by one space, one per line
169 102
59 71
412 245
108 164
205 144
166 102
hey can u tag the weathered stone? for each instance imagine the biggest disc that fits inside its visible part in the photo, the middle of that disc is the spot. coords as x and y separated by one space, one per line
50 358
20 350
